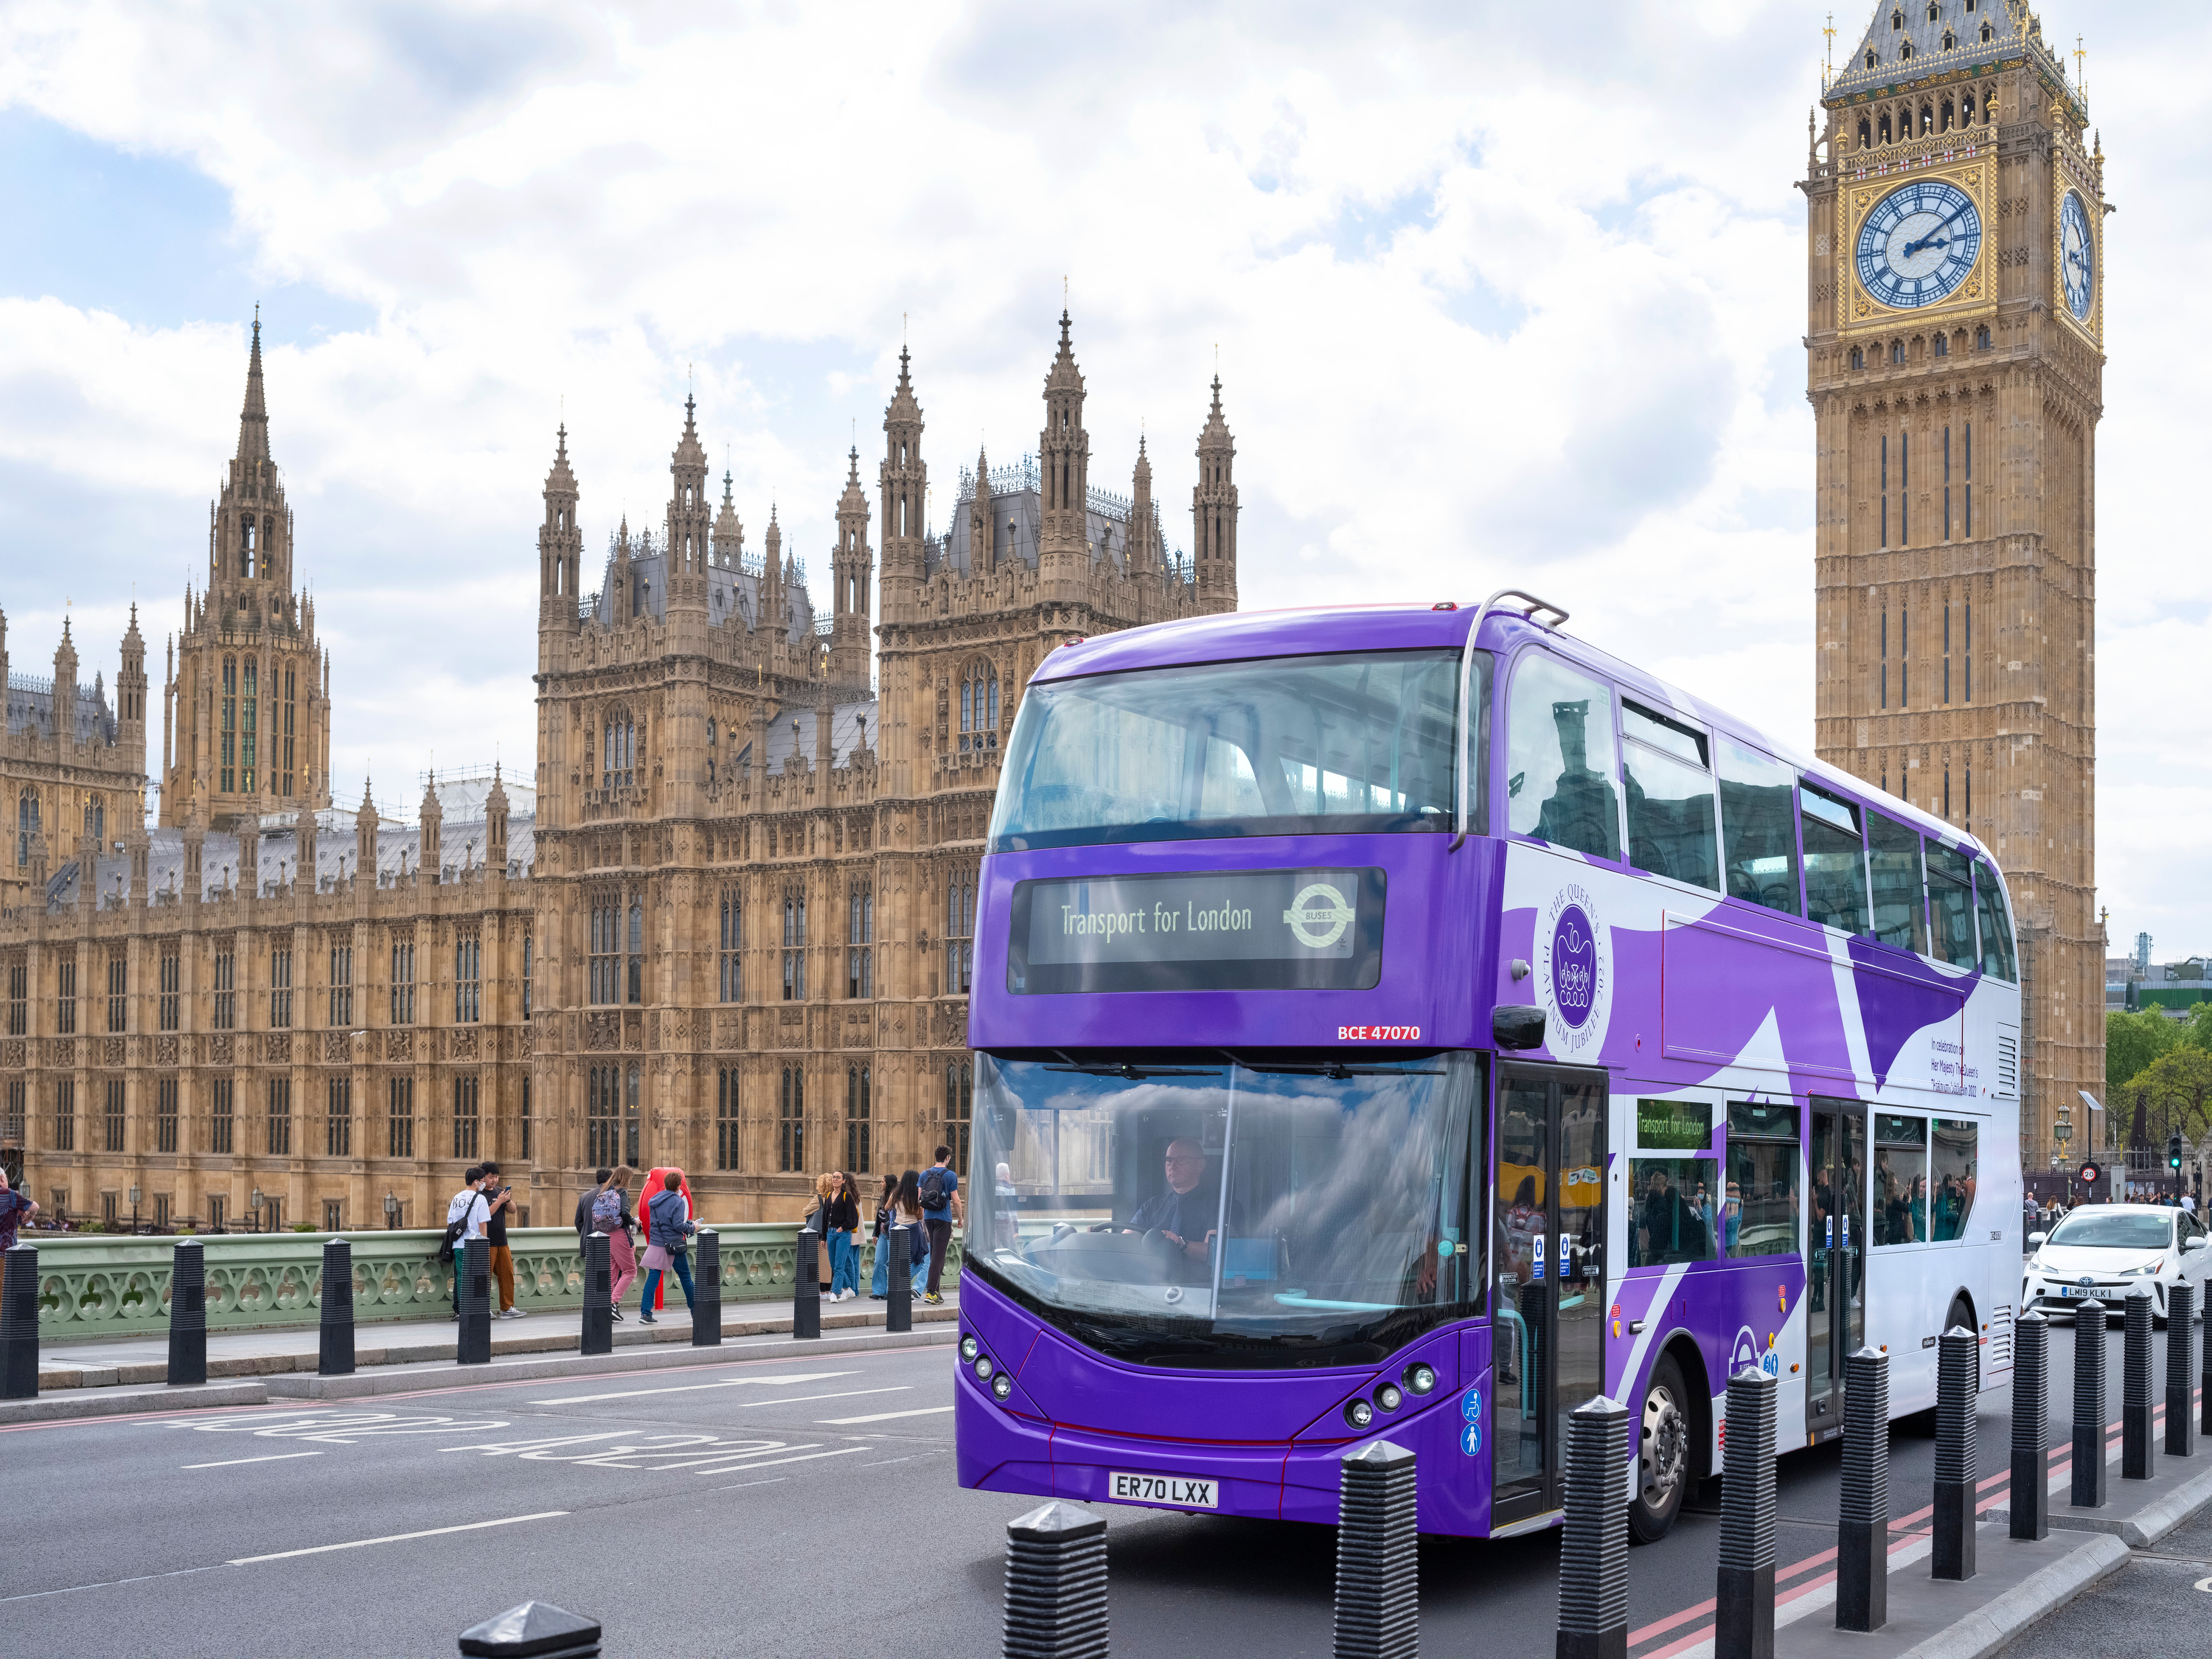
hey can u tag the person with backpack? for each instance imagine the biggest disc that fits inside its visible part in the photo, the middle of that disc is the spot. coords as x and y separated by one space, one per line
906 1211
467 1216
940 1203
611 1214
669 1232
584 1205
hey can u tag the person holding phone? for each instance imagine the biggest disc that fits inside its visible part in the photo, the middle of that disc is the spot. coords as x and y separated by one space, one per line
499 1198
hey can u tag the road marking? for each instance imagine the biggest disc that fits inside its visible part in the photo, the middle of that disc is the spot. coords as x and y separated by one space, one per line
693 1387
107 1583
233 1462
885 1417
773 1480
778 1462
394 1538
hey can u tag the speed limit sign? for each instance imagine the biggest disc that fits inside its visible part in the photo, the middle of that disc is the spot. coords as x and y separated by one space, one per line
2089 1174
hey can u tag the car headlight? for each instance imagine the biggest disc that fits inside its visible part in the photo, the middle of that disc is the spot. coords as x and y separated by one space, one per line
2143 1272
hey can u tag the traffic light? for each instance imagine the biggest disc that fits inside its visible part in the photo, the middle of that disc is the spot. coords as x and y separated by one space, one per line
2173 1151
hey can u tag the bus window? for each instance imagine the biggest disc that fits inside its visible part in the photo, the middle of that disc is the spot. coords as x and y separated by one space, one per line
1671 1217
1900 903
1761 830
1758 1215
1560 763
1954 1175
1997 960
1900 1179
1835 861
1670 799
1951 901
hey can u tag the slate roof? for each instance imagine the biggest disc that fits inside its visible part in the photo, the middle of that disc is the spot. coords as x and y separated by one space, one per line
31 708
1906 44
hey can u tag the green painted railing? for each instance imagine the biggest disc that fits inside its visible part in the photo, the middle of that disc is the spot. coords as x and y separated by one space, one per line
104 1286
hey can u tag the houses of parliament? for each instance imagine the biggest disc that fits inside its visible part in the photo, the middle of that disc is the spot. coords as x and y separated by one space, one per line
727 923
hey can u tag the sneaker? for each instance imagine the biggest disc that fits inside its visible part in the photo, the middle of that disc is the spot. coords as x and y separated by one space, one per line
511 1313
872 1297
618 1313
647 1318
933 1301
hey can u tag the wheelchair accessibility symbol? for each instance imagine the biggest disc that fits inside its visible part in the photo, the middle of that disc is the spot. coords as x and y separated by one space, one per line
1470 1405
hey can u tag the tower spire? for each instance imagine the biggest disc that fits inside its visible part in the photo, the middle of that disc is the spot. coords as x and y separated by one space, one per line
253 418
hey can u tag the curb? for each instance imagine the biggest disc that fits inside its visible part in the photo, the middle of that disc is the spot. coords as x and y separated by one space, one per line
121 1402
306 1385
1988 1630
2144 1528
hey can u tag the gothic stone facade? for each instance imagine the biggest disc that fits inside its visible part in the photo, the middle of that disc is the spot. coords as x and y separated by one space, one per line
1955 371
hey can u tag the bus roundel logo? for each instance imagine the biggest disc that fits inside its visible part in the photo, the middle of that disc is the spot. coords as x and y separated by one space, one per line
1319 916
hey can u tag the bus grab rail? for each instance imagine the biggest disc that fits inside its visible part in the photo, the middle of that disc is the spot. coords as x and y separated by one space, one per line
1466 692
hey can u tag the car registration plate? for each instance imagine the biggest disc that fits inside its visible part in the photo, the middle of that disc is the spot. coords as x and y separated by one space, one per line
1178 1489
2078 1293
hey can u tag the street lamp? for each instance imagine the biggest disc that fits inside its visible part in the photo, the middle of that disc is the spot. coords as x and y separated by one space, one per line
391 1214
256 1201
134 1211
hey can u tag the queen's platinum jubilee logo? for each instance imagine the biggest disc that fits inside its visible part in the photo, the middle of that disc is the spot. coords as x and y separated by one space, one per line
1576 977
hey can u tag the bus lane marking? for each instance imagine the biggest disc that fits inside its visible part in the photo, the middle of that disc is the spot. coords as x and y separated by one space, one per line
884 1417
659 1453
345 1428
393 1538
233 1462
693 1387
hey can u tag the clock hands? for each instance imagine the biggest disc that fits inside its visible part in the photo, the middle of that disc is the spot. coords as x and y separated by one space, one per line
1929 240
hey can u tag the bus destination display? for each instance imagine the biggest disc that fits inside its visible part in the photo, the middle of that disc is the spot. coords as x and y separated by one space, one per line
1229 930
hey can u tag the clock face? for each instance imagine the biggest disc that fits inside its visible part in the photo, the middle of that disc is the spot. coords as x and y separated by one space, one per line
1918 244
2077 257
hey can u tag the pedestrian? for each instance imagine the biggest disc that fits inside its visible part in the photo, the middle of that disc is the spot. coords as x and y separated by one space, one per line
466 1216
669 1233
499 1198
16 1208
886 1207
842 1216
584 1205
940 1203
611 1214
817 1220
906 1211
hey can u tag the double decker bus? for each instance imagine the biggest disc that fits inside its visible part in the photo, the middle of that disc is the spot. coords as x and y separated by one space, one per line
1413 1022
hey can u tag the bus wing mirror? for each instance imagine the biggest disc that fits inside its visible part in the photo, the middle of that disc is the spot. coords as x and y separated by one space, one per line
1516 1025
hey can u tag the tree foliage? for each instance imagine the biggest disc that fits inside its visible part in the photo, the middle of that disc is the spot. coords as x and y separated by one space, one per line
2179 1081
2132 1043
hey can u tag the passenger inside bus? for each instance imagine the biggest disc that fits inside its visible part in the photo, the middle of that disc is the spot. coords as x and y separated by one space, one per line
1671 1226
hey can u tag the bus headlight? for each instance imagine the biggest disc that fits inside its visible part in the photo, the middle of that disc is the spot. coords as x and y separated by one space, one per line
1389 1397
1420 1378
968 1349
1359 1413
1002 1387
984 1368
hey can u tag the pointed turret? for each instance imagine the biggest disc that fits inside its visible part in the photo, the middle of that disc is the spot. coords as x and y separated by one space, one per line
560 545
364 836
1064 460
849 572
432 857
1142 552
772 620
688 514
496 815
131 702
253 418
729 532
64 693
1213 512
982 521
902 484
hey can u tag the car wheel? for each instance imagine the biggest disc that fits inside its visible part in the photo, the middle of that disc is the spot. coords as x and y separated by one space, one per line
1662 1455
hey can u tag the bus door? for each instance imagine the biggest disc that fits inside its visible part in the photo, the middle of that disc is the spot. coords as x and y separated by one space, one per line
1550 1220
1835 1257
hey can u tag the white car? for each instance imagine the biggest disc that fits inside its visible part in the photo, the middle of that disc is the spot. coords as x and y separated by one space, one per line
2104 1250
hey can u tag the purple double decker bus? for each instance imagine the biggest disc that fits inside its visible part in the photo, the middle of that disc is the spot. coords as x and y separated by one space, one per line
1413 1021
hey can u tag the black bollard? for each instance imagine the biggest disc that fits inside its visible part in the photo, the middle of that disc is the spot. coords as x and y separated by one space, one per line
536 1630
898 1287
336 1356
2031 1427
1592 1544
188 1312
1056 1584
1862 1531
806 1286
2138 1447
706 1284
19 1324
1957 1453
2181 1368
2089 1405
1743 1609
1378 1579
599 1332
472 1262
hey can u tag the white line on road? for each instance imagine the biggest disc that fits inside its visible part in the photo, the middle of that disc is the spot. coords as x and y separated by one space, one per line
778 1462
693 1387
885 1417
108 1584
773 1480
233 1462
395 1538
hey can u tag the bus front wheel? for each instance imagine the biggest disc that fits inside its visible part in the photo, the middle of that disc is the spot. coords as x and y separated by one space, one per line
1662 1455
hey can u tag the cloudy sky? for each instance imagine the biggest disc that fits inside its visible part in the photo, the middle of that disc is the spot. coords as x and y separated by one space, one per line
1495 296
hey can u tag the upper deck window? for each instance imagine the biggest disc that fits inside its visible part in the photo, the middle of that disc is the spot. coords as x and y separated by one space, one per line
1560 766
1761 830
1900 907
1951 897
1998 959
1665 768
1344 743
1835 861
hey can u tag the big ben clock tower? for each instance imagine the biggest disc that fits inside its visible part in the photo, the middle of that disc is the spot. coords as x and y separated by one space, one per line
1955 364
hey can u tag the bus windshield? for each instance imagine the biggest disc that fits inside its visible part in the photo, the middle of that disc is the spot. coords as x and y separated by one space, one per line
1205 1212
1348 744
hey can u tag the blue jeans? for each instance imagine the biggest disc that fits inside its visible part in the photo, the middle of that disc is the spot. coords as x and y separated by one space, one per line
879 1284
844 1263
682 1262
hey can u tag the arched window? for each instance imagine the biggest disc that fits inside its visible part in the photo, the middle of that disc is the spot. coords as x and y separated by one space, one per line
1897 352
791 1123
1866 133
1988 33
979 705
246 545
959 931
857 1113
1871 60
1965 109
1885 126
1935 12
1950 43
1896 19
26 824
1858 356
618 752
959 1109
629 1119
1904 53
229 726
1943 346
95 816
248 730
1927 119
1982 337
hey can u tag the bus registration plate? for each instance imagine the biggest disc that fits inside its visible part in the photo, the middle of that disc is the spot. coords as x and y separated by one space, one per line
1165 1489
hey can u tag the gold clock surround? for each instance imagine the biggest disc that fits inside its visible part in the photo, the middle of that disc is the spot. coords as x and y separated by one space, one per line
1858 312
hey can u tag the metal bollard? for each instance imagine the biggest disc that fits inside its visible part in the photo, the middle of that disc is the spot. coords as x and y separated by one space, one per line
536 1629
2089 1405
806 1286
1743 1610
707 1297
335 1350
1056 1584
1378 1569
188 1312
19 1324
2138 1447
1863 1530
472 1262
898 1287
1592 1544
2180 1368
599 1332
2031 1427
1957 1453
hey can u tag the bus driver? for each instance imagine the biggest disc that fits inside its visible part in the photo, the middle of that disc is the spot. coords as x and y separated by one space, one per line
1187 1213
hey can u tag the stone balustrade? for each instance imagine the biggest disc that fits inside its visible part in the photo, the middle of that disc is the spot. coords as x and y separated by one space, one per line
104 1285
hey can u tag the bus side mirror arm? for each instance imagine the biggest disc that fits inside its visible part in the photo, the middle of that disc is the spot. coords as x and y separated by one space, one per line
1517 1025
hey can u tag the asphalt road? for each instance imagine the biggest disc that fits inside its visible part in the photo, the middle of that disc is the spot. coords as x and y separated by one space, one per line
2158 1604
793 1507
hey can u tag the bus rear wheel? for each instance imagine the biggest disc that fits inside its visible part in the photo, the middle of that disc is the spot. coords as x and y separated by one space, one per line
1662 1455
